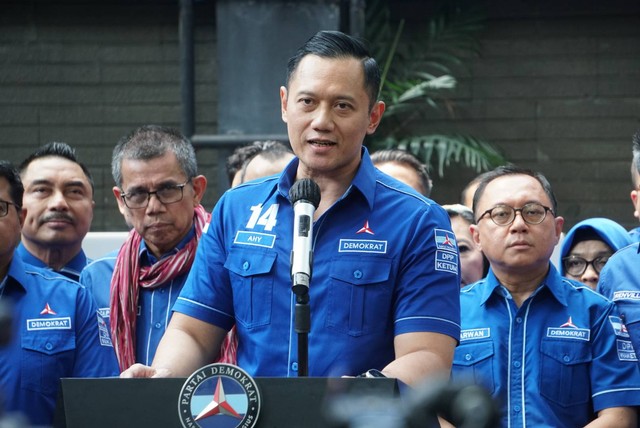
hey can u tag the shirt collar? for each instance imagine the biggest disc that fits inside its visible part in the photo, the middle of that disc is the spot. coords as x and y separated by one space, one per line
147 258
364 180
553 282
72 269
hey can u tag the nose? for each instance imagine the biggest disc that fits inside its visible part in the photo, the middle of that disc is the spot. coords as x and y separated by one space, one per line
590 276
58 202
323 120
154 204
518 222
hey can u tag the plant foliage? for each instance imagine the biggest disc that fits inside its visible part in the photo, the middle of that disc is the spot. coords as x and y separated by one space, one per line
418 77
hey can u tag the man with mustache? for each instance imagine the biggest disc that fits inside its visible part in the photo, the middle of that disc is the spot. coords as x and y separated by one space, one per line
53 333
58 200
553 352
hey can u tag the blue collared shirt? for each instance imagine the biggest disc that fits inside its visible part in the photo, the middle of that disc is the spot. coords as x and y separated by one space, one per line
154 305
385 263
620 282
70 270
554 361
55 334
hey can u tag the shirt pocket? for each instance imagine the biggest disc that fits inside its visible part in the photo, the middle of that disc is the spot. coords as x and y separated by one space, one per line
46 357
473 362
252 284
360 295
564 368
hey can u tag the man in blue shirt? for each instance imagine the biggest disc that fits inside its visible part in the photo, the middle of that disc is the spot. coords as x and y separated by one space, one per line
54 331
158 191
552 351
384 293
620 282
635 180
58 200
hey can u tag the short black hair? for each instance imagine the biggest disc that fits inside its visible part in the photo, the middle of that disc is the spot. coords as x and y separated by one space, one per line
635 149
335 44
61 150
405 158
153 141
240 158
16 189
503 170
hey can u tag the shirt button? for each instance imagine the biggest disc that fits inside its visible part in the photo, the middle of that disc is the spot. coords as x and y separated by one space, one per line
516 409
566 358
294 367
158 325
519 320
468 357
516 364
48 346
245 265
357 274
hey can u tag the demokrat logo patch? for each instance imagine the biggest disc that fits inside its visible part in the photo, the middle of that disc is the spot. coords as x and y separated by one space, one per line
219 396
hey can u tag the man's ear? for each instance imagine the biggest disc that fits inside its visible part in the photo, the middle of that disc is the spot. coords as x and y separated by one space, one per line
634 199
475 235
375 116
283 103
199 187
118 194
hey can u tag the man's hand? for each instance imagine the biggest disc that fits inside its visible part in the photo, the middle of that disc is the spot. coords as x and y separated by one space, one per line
141 371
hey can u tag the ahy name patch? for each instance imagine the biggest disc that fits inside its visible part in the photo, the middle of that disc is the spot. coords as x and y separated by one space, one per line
256 239
63 323
362 246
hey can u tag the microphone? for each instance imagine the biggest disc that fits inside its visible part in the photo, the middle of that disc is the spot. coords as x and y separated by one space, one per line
305 197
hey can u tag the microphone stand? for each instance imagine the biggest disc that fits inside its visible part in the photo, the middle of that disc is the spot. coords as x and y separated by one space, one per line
302 326
305 197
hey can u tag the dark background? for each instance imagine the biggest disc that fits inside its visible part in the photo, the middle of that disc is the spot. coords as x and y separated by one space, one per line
557 88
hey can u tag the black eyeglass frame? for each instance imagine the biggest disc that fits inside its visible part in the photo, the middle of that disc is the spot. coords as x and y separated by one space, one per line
514 212
586 264
124 196
5 212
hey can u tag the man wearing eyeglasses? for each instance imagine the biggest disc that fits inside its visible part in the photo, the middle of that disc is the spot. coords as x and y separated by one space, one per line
53 332
552 351
158 191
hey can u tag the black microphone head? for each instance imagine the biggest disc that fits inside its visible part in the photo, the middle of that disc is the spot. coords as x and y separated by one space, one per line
305 189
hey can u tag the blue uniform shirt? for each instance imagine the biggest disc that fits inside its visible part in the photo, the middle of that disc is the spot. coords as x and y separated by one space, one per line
154 305
553 362
70 270
54 335
385 263
620 281
635 234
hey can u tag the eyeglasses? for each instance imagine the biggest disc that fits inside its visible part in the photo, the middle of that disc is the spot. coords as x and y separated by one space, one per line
504 215
576 266
169 194
4 207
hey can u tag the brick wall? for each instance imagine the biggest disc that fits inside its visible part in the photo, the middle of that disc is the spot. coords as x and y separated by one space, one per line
87 72
557 88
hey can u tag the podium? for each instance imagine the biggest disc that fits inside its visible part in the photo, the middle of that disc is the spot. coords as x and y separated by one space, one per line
286 402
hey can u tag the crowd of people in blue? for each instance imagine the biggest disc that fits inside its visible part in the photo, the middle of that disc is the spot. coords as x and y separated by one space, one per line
401 284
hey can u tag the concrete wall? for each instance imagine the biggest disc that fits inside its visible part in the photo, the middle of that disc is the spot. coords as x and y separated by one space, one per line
557 88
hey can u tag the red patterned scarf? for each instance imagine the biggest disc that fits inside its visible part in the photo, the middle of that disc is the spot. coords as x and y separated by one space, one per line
129 276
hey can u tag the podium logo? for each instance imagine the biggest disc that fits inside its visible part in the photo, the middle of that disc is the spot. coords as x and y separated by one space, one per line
219 396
